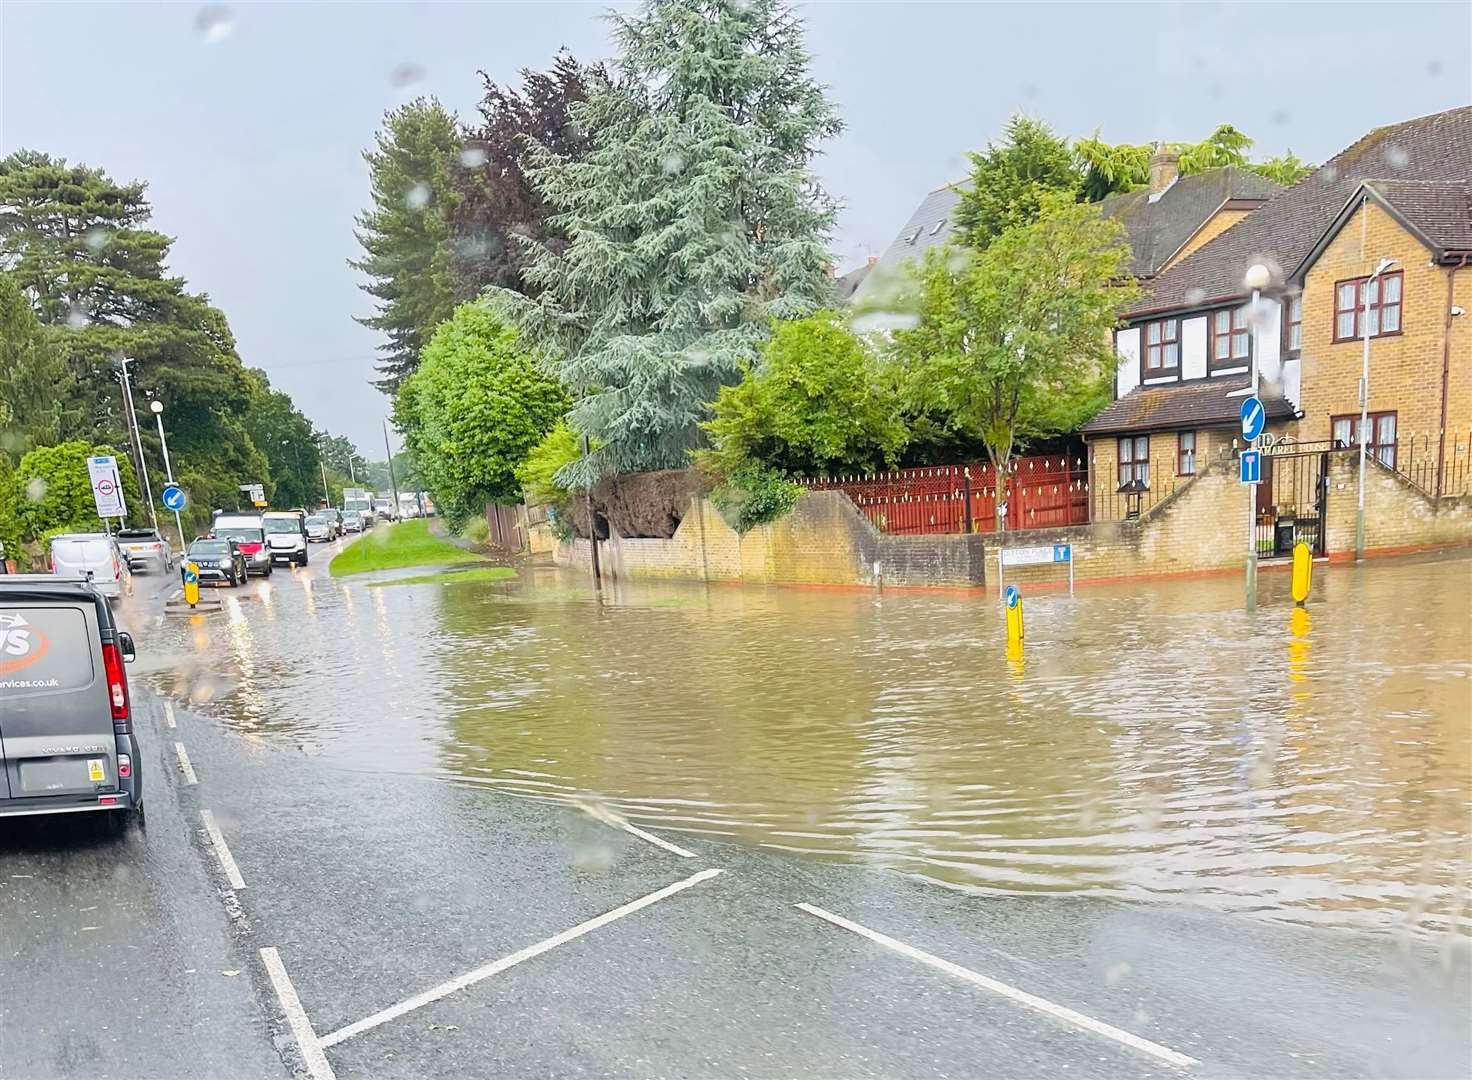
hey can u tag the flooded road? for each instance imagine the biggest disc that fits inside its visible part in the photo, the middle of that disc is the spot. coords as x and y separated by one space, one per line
1155 743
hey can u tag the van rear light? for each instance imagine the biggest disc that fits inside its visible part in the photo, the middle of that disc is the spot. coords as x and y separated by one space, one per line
117 682
125 766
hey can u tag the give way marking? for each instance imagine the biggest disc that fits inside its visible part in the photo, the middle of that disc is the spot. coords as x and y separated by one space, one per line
480 974
1021 997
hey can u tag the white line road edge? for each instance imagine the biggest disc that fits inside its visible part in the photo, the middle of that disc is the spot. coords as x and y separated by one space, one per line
496 967
222 852
1058 1012
188 769
296 1017
659 841
169 715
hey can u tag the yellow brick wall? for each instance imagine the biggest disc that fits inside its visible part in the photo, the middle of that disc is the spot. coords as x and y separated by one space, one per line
1397 517
1405 369
1217 224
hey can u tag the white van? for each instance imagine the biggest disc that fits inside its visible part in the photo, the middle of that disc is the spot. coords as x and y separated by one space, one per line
97 554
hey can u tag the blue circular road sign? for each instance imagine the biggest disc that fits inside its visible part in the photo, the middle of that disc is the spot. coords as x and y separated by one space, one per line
191 577
173 497
1254 418
1013 594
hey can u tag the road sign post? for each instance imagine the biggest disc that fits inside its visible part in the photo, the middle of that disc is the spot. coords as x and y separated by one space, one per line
1254 419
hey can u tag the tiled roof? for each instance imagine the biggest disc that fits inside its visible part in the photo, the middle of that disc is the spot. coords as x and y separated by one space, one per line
845 285
1158 230
1440 210
1199 403
1282 233
929 226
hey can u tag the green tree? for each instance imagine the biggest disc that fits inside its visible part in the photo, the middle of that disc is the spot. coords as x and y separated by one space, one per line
1013 342
287 441
1111 167
34 382
819 403
404 235
694 221
1012 179
1286 169
477 405
538 471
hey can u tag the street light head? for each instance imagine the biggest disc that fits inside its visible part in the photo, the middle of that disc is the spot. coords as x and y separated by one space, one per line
1258 277
1385 264
156 405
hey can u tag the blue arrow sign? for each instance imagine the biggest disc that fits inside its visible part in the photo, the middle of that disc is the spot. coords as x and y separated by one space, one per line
191 577
1250 465
1013 595
173 497
1254 418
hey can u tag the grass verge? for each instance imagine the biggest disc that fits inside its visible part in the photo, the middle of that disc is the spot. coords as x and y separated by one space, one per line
393 547
451 577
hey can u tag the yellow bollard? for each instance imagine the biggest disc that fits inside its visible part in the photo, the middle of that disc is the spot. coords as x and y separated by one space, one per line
1303 572
191 583
1014 615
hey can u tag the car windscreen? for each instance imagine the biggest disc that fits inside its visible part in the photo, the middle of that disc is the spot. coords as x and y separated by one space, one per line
282 525
209 549
316 519
245 536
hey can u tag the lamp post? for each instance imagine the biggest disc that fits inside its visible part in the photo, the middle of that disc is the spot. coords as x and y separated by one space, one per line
393 482
1257 279
131 416
322 461
158 414
1359 516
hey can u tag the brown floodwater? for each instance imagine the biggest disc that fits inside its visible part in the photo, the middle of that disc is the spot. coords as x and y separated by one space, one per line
1154 742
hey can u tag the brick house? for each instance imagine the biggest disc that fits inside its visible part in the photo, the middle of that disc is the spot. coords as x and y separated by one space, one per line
1185 348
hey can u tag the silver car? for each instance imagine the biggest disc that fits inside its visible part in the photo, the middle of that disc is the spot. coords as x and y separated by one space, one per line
146 548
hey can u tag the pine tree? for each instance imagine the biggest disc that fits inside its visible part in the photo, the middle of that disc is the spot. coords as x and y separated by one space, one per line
1011 180
33 380
404 234
694 221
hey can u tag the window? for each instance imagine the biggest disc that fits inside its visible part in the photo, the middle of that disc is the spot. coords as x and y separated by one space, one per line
1134 459
1293 324
938 226
1351 319
1162 347
1231 341
1186 453
1380 443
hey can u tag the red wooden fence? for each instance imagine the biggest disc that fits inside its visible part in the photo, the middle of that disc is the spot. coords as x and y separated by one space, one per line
1040 492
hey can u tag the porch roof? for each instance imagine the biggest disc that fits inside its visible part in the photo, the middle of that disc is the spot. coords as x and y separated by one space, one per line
1199 403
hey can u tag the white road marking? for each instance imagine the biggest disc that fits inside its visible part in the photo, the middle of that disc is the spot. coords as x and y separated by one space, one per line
222 852
188 769
658 841
296 1017
169 715
496 967
1058 1012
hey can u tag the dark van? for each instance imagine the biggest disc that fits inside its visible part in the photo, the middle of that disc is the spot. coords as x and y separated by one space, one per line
66 723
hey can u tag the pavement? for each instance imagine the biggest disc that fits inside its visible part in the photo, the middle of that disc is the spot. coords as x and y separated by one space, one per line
287 914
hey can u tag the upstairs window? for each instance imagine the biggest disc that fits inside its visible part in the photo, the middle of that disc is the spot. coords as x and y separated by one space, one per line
1352 318
1293 324
1134 459
1231 340
1162 347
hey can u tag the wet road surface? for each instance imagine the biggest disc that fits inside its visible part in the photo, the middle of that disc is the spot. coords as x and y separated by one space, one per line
434 916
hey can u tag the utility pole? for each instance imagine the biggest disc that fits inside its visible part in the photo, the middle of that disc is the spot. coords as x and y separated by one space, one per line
393 483
134 438
592 526
1258 278
1371 282
322 461
158 414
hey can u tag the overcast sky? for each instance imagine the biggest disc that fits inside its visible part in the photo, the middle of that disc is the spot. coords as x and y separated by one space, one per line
249 137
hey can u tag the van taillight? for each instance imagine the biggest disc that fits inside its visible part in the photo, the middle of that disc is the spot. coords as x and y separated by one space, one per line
125 766
117 682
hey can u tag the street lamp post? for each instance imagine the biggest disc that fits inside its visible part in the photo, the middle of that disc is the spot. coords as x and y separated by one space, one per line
1359 517
322 461
1258 278
393 482
158 414
130 415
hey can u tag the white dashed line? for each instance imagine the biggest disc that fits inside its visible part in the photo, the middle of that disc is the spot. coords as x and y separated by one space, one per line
658 841
185 767
296 1017
169 715
1058 1012
222 852
498 966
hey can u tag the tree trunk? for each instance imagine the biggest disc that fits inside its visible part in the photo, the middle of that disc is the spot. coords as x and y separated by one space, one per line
1001 459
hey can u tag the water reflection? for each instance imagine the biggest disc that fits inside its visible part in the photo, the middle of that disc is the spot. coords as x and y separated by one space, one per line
1155 742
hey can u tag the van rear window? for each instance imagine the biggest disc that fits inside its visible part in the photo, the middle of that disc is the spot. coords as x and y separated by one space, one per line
43 649
81 552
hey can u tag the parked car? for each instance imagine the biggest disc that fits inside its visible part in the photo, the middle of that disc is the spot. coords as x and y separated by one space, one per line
80 554
219 560
249 532
319 528
146 548
334 518
286 536
68 742
352 521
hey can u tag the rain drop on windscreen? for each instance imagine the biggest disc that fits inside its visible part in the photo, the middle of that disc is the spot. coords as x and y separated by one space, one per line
671 164
472 157
76 317
418 197
96 238
406 74
1397 157
36 489
213 23
1195 296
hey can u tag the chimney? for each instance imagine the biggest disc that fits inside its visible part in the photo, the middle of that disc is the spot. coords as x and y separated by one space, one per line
1165 166
873 259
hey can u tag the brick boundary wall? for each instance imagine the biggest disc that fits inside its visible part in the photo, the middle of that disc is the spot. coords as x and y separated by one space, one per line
1199 529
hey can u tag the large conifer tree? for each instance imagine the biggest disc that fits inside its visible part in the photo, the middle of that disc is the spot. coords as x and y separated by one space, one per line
694 221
